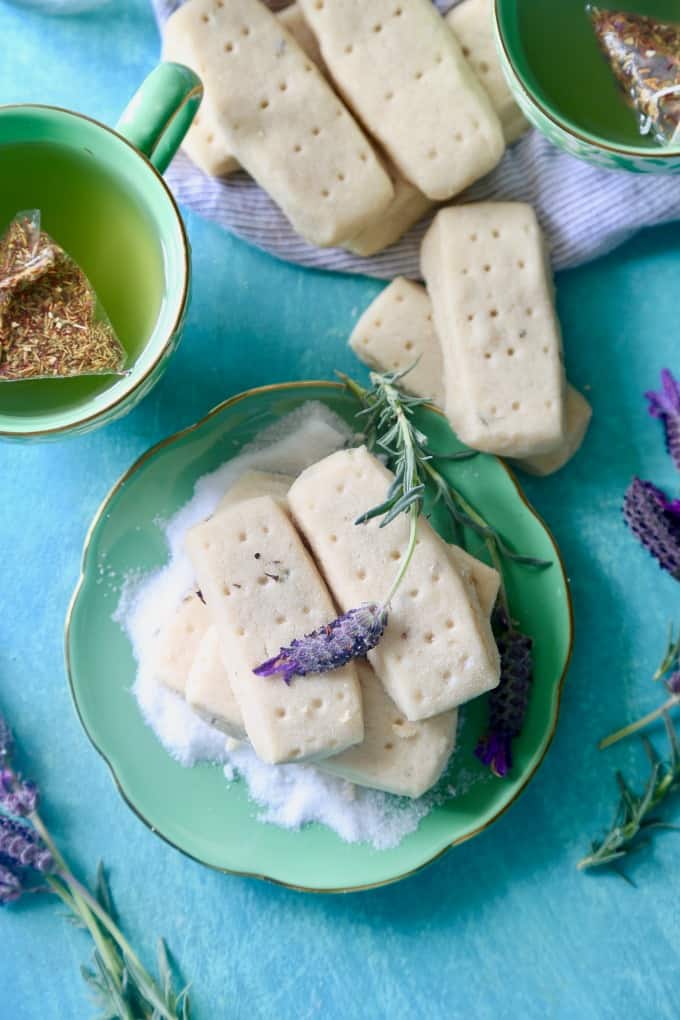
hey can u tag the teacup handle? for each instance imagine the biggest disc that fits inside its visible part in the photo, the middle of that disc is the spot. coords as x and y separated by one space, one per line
161 111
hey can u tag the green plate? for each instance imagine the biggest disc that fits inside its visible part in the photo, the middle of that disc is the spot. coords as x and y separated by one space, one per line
194 809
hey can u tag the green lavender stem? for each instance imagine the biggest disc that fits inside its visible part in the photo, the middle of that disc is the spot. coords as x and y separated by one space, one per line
81 902
627 731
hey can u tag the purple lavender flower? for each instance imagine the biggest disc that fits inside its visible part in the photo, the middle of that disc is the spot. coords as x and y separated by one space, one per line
17 796
665 404
508 702
656 522
24 846
673 682
350 636
11 886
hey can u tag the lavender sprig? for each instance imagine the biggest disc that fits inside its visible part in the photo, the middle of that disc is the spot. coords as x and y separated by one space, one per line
655 521
508 703
28 856
665 404
348 637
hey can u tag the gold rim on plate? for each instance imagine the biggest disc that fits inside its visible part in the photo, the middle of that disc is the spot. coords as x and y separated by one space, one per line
273 388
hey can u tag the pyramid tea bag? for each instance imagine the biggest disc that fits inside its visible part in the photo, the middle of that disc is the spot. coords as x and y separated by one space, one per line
644 55
51 324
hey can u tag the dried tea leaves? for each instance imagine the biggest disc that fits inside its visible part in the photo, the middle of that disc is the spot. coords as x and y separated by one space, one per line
644 55
50 325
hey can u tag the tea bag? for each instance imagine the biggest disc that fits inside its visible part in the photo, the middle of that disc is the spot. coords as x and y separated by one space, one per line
51 323
644 55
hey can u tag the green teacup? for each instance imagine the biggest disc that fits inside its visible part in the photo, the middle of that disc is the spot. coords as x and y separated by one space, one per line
104 201
563 85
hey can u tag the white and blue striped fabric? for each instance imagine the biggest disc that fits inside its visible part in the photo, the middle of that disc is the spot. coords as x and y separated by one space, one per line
584 211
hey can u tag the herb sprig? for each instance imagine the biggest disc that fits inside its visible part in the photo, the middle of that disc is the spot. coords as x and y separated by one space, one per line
634 818
387 413
30 863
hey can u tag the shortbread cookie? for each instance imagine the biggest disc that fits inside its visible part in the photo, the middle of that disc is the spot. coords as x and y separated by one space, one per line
178 641
398 756
406 208
252 484
487 275
276 114
472 22
208 689
437 651
262 590
396 332
199 141
579 413
403 72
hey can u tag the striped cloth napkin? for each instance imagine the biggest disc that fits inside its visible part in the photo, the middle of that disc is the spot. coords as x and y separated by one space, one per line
584 211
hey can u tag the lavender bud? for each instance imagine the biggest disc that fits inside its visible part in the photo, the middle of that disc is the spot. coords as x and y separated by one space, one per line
24 846
665 404
509 701
673 682
656 523
350 636
22 800
10 885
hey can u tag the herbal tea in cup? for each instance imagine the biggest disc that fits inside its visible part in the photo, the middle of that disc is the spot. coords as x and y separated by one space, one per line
105 204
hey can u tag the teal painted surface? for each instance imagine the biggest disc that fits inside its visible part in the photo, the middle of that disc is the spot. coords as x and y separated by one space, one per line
503 926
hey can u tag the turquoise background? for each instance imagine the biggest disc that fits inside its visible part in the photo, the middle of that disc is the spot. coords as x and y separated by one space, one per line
501 927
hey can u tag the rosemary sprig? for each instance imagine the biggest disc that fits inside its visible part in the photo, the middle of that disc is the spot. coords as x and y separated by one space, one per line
668 671
634 817
387 414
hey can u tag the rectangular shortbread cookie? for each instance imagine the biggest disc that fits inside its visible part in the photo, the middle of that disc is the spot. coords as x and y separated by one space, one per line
209 692
199 142
263 590
252 484
485 579
403 72
406 208
472 22
487 276
275 113
578 414
177 643
397 332
437 651
398 756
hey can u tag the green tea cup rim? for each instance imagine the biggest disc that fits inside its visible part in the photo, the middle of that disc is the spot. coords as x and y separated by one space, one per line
103 413
565 123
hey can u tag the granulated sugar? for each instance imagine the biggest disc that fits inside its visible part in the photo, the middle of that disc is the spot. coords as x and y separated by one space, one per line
290 795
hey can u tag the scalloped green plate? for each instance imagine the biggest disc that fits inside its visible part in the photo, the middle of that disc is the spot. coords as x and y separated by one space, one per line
194 809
